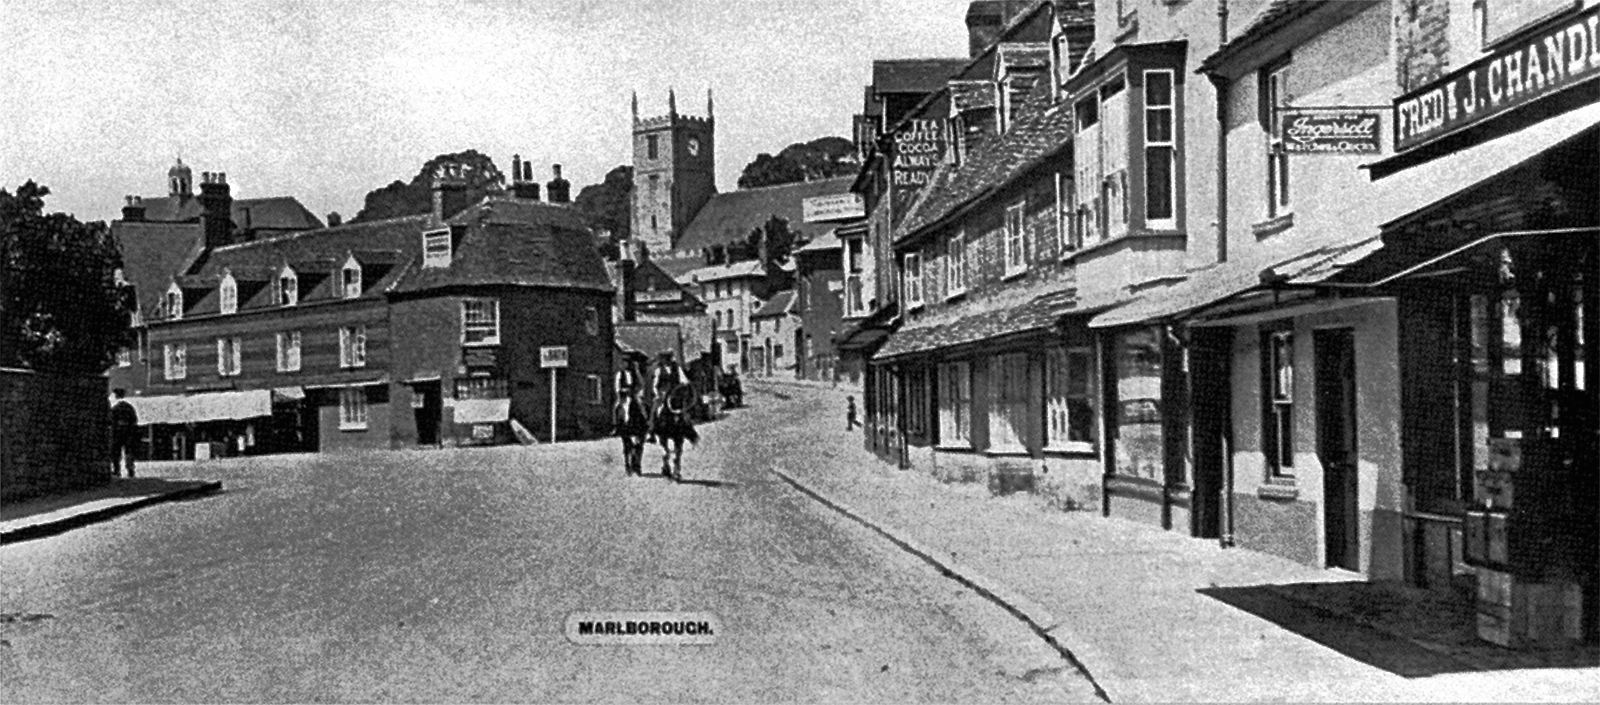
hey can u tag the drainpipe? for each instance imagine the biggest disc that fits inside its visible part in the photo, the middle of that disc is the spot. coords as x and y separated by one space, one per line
1225 532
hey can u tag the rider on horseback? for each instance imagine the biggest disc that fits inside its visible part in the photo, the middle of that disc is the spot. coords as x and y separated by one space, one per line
674 395
629 417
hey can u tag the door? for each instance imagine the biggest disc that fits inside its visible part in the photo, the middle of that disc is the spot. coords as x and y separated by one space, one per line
1210 404
427 404
1336 445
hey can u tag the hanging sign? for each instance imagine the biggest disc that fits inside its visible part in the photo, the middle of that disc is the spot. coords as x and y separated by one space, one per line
1559 56
839 206
1330 132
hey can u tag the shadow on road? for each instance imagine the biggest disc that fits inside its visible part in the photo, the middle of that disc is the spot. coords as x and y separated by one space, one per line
117 488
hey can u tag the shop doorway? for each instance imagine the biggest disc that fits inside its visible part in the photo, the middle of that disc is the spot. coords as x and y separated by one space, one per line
1336 445
427 402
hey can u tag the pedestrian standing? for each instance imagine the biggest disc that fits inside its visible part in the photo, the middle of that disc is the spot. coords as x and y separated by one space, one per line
124 432
850 421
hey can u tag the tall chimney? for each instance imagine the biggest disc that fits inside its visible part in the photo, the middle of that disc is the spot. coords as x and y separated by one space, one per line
560 191
216 209
334 219
133 208
449 192
522 183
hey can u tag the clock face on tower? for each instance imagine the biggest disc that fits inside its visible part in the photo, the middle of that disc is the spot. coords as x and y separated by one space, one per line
694 146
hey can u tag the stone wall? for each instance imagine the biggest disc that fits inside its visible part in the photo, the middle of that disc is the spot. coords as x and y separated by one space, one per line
54 433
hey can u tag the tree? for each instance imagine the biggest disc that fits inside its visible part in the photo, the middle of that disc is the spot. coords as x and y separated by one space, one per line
61 309
821 158
416 197
610 205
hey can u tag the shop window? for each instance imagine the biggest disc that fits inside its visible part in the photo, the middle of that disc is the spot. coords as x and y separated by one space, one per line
228 295
1016 260
176 357
289 351
1274 82
955 405
353 346
1008 412
955 259
912 263
1277 401
480 322
228 357
353 409
1136 424
481 388
1069 399
1160 150
350 279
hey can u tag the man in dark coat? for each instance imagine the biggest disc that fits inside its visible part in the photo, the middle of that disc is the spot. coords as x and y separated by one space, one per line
124 433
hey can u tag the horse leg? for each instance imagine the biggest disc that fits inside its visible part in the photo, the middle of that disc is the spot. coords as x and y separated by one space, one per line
677 459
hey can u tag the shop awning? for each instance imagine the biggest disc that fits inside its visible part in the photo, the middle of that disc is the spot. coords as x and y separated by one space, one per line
197 408
482 410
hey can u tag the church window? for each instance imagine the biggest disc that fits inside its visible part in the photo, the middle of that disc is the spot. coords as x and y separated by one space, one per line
651 148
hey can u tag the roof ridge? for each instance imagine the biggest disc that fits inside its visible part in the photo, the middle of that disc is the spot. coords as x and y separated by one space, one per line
785 184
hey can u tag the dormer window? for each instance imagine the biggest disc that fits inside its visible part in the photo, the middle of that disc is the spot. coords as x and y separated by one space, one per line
174 302
436 246
350 279
228 294
288 288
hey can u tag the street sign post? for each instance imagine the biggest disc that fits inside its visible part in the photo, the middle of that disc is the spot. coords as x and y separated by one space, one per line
553 358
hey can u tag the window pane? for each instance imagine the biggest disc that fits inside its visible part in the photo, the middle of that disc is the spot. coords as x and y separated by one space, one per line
1158 126
1158 183
1157 88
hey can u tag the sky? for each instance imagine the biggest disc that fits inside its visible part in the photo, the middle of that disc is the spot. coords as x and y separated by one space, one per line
325 101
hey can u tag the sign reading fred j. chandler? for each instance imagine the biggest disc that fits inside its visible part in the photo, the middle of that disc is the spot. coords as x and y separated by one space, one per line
1562 54
1322 132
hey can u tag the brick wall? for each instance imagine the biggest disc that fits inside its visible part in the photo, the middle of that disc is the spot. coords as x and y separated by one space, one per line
56 446
1422 41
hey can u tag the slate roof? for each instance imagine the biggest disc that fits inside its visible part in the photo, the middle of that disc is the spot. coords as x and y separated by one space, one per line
729 217
913 75
1040 130
936 332
273 213
824 242
152 253
781 303
719 272
648 338
520 243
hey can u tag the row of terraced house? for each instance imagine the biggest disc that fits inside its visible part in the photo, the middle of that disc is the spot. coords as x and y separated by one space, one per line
1315 278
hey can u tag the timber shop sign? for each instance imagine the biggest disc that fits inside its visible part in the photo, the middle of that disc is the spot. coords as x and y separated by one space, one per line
1563 54
1324 132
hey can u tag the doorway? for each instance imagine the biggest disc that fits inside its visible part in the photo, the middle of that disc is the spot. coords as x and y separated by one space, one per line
427 401
1336 446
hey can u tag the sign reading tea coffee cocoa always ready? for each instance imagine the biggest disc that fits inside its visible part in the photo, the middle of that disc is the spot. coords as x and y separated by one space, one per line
1326 132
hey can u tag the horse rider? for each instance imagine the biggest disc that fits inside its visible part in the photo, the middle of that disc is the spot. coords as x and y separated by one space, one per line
628 385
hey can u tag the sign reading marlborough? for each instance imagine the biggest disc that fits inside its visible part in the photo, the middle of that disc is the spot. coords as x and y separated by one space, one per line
1330 132
1563 54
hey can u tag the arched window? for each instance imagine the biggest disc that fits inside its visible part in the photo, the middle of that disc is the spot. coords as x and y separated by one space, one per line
174 302
228 293
350 278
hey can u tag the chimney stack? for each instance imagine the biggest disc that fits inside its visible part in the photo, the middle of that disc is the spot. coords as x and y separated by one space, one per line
986 19
449 192
334 219
216 209
133 208
560 191
522 183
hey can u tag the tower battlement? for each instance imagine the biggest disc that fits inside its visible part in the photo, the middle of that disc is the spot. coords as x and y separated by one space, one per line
661 121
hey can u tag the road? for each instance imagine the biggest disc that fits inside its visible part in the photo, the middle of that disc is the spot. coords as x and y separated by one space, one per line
447 575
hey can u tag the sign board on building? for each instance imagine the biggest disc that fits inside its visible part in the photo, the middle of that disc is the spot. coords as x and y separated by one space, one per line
841 206
1560 55
653 296
918 150
553 356
476 357
1330 132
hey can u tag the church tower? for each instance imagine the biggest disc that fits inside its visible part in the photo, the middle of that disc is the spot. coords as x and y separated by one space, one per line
674 172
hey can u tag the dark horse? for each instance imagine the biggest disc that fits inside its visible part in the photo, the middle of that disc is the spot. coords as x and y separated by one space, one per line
672 426
631 420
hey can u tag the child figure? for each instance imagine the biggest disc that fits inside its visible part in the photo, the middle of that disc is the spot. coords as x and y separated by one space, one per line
850 422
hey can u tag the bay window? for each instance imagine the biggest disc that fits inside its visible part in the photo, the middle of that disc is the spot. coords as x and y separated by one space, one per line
1160 150
1114 158
1127 167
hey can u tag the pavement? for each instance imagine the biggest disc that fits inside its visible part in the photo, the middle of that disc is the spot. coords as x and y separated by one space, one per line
54 514
1153 615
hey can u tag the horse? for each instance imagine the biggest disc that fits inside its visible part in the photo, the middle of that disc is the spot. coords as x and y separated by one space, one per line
672 426
631 421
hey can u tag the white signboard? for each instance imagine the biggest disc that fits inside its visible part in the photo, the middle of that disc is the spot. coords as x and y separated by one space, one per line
843 206
553 356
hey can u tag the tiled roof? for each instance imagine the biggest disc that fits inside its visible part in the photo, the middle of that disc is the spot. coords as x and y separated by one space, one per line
648 338
518 242
826 241
971 324
913 75
152 253
273 213
1040 129
780 304
729 217
737 270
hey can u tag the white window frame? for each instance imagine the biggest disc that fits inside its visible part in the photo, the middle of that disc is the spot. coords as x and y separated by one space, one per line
1274 97
436 248
353 409
480 322
1115 111
228 357
855 294
124 357
955 405
1088 228
1016 241
174 302
288 288
956 264
350 284
1151 146
1061 389
175 361
353 347
597 390
228 294
911 262
1067 240
289 351
1008 409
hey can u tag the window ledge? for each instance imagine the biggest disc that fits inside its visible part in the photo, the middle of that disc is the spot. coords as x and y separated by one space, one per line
1120 240
352 428
1014 274
1278 490
915 306
954 449
1007 453
1084 451
954 295
1273 226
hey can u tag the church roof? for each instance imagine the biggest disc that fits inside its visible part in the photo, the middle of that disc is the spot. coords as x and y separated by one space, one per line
729 217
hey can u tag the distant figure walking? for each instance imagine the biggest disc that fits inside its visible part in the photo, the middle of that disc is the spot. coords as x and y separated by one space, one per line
124 432
850 420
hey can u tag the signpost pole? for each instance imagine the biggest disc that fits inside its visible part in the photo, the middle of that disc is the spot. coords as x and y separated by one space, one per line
552 405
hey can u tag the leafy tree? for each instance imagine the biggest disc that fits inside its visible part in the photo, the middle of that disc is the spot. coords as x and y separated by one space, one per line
821 158
609 202
61 309
416 197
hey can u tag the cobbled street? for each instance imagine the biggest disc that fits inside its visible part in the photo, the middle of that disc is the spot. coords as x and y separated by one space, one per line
447 575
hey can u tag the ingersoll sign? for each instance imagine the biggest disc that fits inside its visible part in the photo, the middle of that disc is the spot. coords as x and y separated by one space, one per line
1561 54
1325 132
